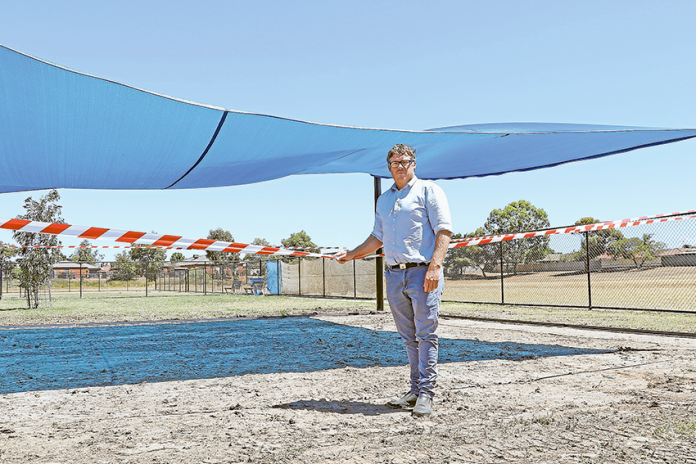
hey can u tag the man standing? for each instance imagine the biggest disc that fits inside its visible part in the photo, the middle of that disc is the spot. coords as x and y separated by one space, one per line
413 224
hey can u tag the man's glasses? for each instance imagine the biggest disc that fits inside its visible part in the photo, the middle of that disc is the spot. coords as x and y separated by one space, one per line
404 164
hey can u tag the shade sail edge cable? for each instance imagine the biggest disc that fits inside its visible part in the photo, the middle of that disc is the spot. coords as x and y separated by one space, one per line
560 163
251 113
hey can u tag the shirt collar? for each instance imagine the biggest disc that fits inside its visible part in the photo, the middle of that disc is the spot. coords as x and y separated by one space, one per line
409 185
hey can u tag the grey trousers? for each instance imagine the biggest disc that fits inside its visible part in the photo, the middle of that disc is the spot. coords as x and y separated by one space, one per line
416 317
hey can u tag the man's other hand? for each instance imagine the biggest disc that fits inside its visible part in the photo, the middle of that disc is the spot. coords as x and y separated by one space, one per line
432 278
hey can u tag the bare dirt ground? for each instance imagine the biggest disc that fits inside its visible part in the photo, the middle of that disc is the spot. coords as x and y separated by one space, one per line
538 395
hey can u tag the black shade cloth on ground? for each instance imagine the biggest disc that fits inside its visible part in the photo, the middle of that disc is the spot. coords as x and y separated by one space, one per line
79 357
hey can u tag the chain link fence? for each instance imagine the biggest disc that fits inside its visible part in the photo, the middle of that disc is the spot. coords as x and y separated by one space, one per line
648 267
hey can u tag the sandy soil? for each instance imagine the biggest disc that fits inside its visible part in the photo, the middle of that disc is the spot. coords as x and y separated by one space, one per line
580 397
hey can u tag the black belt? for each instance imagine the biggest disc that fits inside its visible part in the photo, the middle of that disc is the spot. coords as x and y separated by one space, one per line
407 265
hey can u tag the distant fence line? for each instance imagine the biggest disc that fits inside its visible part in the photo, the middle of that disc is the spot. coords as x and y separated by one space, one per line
649 267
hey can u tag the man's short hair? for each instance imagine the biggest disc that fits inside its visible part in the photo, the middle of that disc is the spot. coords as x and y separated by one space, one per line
402 149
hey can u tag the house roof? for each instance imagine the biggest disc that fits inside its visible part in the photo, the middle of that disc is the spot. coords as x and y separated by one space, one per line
74 265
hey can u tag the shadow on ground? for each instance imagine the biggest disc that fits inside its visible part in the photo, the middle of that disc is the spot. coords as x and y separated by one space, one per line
341 407
78 357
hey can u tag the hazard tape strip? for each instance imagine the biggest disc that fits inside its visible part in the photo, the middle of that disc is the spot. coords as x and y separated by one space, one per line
84 246
175 242
156 240
573 229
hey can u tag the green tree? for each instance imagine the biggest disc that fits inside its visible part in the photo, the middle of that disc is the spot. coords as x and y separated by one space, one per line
481 257
519 216
638 250
597 240
36 261
149 259
86 254
298 240
177 257
221 257
124 268
6 265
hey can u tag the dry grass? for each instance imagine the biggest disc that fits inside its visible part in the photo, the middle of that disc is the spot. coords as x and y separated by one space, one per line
132 306
613 319
654 288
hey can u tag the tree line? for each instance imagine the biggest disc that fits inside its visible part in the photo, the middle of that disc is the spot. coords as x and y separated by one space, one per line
37 253
522 216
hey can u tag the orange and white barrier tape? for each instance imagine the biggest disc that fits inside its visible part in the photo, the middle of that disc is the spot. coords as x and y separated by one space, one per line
573 229
175 242
156 240
85 246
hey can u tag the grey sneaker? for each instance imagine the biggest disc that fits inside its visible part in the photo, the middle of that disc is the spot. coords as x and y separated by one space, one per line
424 406
406 401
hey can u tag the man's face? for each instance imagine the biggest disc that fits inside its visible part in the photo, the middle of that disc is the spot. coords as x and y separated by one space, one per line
402 174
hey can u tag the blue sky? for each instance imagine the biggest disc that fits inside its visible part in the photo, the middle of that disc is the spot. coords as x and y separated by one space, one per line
398 65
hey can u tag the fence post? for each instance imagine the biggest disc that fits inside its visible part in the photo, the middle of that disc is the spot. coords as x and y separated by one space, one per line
587 261
278 276
502 285
205 279
299 276
99 278
355 282
146 290
80 280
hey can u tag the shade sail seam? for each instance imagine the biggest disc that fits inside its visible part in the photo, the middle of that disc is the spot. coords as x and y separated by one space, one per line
205 152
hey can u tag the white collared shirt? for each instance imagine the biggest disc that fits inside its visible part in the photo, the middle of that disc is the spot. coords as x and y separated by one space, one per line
408 220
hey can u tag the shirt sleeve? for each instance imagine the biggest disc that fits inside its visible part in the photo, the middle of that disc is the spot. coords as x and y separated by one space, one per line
438 209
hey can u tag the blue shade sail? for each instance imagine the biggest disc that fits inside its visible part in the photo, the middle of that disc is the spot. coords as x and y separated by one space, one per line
64 129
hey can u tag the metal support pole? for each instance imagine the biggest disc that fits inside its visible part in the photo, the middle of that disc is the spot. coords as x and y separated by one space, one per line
278 275
323 277
379 262
587 263
205 279
502 286
80 280
299 276
355 282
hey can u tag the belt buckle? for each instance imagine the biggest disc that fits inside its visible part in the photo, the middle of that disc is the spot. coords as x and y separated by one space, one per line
402 266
